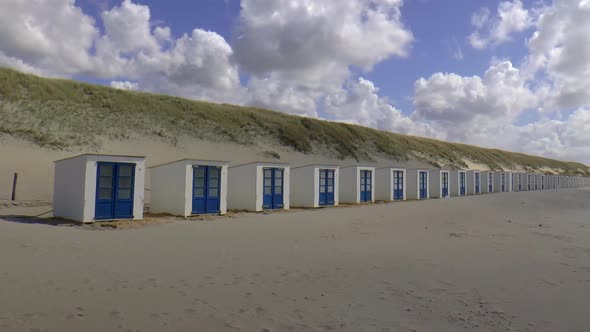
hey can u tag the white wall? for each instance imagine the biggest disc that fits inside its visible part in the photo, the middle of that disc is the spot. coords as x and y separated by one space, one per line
168 189
172 186
247 186
305 181
68 189
498 182
471 182
385 182
435 183
350 183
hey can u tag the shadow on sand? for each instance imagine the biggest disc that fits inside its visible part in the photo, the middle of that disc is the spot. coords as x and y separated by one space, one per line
52 221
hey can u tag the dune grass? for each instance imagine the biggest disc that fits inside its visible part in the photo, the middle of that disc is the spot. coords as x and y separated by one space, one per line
63 114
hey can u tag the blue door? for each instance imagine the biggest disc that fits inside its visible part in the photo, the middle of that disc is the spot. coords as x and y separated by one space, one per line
114 191
536 185
519 182
326 187
477 182
490 182
512 182
423 182
206 189
543 183
398 185
503 182
445 184
273 188
366 185
528 182
462 184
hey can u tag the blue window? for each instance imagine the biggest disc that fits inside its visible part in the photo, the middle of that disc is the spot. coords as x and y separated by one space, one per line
114 191
398 185
366 185
423 184
445 184
273 188
206 189
462 184
326 187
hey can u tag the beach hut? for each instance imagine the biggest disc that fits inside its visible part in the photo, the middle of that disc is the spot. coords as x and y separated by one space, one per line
473 182
94 187
500 182
513 182
417 187
392 184
315 186
543 182
259 186
458 183
357 184
487 182
439 183
529 182
189 187
518 181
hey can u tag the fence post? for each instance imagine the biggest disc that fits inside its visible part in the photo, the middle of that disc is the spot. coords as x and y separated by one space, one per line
14 181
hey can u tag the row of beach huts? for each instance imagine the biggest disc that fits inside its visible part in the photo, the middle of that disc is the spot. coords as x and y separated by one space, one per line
94 187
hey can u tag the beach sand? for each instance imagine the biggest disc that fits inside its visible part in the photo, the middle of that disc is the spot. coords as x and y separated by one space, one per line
499 262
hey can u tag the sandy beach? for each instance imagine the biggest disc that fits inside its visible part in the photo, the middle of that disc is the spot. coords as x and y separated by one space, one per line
500 262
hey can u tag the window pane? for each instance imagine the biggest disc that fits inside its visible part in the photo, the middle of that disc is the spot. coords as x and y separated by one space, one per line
363 180
278 190
267 173
363 187
322 174
330 182
322 182
369 180
124 193
105 182
125 182
213 183
105 193
331 174
213 192
199 182
199 192
199 172
213 172
322 189
105 170
125 170
330 189
278 175
267 190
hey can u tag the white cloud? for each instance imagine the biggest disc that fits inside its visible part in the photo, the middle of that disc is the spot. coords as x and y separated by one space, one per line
360 103
46 36
512 17
124 85
310 46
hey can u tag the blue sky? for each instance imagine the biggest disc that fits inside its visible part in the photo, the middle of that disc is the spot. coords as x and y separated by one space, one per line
509 74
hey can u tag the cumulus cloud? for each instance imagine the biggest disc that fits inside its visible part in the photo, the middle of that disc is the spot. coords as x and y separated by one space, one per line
300 44
124 85
360 103
511 17
462 105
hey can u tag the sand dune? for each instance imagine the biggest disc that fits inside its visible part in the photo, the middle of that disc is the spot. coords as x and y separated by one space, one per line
501 262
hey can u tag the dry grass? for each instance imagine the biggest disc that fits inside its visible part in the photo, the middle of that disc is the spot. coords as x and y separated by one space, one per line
63 114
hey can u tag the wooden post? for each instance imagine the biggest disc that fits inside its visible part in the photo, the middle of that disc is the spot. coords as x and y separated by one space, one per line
14 186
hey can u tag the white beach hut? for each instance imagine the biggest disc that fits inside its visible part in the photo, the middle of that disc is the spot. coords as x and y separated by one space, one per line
189 187
487 182
473 182
500 182
391 184
259 186
439 183
417 184
458 183
93 187
529 182
315 186
357 184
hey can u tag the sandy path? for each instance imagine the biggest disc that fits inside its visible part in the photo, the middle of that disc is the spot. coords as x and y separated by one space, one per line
502 262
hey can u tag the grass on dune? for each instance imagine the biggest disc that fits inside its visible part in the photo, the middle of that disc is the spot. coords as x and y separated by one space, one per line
62 114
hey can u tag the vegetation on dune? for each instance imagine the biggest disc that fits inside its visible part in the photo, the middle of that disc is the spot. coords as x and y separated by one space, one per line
62 114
